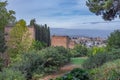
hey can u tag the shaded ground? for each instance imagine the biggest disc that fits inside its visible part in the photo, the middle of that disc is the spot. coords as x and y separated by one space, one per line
75 63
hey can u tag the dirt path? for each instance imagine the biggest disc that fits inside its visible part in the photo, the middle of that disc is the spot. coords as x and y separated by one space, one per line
62 71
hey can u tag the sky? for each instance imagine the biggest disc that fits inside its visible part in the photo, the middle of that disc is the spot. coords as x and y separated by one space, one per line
60 14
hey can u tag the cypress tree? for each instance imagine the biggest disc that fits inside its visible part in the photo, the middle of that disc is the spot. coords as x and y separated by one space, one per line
2 42
42 32
49 40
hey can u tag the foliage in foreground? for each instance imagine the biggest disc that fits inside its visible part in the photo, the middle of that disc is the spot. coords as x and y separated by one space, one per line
46 61
2 43
75 74
101 58
37 45
109 71
54 58
1 63
79 51
10 74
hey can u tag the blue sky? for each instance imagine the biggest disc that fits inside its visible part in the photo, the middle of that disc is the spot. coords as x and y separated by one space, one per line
60 14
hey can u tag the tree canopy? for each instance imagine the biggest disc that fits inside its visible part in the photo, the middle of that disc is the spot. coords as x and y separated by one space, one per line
2 43
6 16
109 9
114 40
20 40
42 32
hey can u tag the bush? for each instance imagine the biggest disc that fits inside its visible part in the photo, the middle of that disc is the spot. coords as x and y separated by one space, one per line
96 50
37 45
42 62
75 74
28 64
1 63
79 51
101 58
54 57
9 74
65 52
113 41
109 71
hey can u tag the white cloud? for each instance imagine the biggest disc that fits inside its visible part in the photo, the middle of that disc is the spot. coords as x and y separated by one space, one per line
60 14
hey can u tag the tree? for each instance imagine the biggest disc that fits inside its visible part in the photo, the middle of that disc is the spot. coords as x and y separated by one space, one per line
42 32
2 42
114 40
49 40
109 9
79 51
20 40
6 17
2 49
32 22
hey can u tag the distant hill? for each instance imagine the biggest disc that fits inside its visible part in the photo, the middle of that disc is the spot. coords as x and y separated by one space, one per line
81 32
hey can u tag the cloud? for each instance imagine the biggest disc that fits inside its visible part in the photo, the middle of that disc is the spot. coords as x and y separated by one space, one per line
60 14
106 22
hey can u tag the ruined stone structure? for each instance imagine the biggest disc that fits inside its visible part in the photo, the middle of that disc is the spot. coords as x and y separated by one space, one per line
30 28
31 31
64 41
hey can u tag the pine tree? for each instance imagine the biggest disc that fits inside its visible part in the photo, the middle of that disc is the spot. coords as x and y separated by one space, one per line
109 9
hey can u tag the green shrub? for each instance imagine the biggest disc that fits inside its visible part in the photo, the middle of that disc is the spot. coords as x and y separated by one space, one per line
9 74
96 50
54 57
113 41
101 58
37 45
65 52
42 62
79 51
29 63
1 63
109 71
75 74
